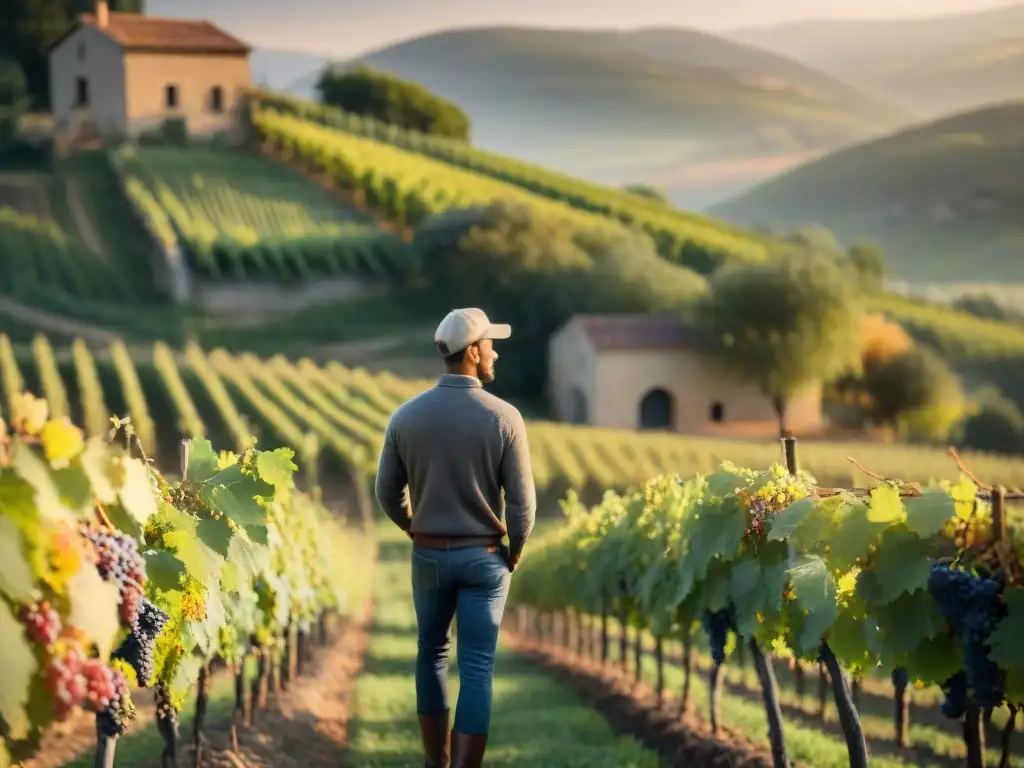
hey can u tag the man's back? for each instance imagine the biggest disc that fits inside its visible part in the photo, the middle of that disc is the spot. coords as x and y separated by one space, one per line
457 447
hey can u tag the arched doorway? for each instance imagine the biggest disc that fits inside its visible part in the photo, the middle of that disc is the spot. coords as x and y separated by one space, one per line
657 410
577 406
716 412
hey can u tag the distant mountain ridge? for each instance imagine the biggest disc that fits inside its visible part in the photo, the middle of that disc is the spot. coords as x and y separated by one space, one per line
935 65
626 106
943 198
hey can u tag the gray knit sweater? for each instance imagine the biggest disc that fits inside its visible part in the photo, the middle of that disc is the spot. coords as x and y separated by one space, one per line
457 448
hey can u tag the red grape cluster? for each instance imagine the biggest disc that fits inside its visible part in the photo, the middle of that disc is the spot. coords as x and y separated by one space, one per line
118 560
75 680
42 623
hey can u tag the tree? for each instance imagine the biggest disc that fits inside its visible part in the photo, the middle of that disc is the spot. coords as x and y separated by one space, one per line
783 325
13 98
384 97
915 392
997 426
536 271
868 263
648 191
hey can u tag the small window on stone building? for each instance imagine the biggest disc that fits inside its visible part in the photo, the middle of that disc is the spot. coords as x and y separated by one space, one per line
81 92
217 99
716 412
171 96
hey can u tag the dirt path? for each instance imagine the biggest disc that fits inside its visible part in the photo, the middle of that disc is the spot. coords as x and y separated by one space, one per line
46 321
309 724
83 222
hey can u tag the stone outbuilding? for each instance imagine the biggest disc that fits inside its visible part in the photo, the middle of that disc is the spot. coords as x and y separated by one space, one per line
123 74
652 372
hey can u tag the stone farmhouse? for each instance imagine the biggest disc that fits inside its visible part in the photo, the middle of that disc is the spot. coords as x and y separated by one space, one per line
124 74
651 372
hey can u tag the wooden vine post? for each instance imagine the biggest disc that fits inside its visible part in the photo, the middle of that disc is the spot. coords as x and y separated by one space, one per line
849 720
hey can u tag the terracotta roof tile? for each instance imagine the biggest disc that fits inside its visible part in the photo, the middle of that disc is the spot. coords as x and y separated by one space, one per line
644 331
135 32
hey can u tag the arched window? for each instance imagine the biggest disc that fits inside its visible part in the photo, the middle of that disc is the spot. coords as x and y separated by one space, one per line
577 406
656 410
716 412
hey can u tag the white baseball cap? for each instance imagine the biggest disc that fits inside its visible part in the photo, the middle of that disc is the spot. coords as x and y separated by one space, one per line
463 327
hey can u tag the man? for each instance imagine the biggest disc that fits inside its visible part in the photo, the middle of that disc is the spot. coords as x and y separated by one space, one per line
457 448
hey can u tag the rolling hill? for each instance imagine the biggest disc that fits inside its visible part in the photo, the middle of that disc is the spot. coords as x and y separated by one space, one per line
934 65
943 198
643 105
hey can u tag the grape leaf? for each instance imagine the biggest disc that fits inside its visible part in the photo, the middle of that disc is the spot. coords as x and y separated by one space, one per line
886 505
17 666
854 535
103 472
202 563
935 660
722 483
202 461
850 640
215 533
907 622
163 570
756 586
74 487
927 513
37 474
1004 642
814 590
788 521
187 673
15 569
258 534
234 494
136 493
93 607
206 632
901 565
276 467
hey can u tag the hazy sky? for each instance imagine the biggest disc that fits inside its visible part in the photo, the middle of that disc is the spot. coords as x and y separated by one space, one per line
342 27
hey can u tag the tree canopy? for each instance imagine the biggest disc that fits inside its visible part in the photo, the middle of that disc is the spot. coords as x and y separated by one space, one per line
783 325
364 91
537 271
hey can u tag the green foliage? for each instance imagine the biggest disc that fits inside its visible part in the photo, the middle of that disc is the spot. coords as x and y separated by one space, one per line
13 98
384 97
230 550
997 426
869 265
537 271
916 391
783 325
646 190
685 238
241 217
800 565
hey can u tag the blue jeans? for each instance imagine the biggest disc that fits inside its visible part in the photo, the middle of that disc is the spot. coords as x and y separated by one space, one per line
472 584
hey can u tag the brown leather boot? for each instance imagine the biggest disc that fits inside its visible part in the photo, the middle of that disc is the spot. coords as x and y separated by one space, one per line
468 751
434 732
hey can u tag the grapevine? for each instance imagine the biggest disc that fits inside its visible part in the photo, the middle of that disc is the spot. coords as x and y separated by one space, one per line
91 609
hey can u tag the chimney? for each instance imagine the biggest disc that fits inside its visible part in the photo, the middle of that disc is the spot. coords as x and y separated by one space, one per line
102 14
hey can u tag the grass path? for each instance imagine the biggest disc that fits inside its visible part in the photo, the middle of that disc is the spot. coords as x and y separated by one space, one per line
536 721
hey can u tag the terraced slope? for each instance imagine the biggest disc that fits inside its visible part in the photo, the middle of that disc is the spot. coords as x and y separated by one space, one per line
231 398
241 216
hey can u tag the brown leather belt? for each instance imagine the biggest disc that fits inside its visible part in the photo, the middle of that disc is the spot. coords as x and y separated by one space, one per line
453 542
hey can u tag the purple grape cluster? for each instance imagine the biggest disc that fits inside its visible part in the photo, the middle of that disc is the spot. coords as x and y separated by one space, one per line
119 561
137 648
972 605
717 625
